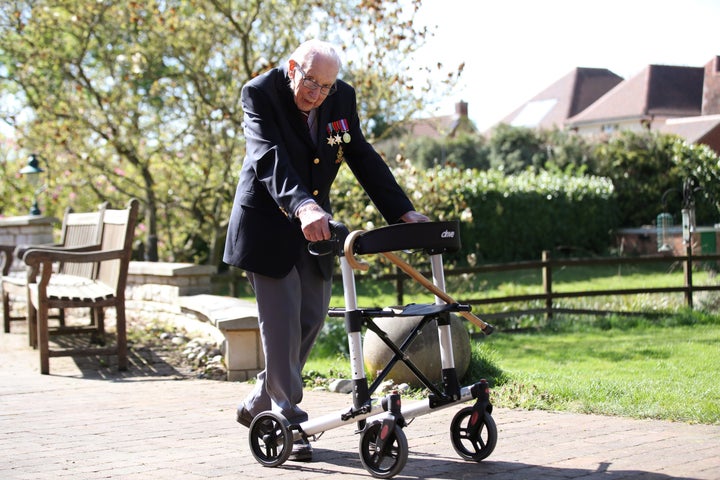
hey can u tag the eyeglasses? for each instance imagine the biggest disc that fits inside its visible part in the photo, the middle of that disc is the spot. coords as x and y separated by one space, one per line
313 85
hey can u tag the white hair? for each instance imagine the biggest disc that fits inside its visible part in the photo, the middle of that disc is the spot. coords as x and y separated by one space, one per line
307 50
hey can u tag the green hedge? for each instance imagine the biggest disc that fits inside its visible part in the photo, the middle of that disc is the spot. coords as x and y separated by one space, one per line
503 217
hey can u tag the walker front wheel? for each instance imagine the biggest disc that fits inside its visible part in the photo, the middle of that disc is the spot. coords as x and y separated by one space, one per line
388 460
270 439
473 434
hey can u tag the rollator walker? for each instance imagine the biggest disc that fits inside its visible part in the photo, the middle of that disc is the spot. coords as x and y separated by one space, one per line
380 421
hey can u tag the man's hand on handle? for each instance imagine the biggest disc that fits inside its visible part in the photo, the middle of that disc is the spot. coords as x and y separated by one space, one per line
314 222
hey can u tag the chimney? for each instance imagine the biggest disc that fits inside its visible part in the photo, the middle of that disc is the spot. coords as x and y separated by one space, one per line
711 88
461 109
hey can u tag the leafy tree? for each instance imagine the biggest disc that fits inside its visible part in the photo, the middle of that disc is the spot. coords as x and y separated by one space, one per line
640 165
125 103
568 150
515 149
648 169
141 99
16 193
464 150
699 164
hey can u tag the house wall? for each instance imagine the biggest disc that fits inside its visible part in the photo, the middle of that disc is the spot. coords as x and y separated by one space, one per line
644 240
712 139
594 129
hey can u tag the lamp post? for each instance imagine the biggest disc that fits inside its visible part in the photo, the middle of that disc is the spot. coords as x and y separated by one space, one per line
33 171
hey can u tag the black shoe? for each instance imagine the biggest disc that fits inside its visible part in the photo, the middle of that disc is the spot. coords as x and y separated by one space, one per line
244 417
301 451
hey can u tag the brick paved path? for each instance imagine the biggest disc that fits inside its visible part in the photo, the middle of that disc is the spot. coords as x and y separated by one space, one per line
152 424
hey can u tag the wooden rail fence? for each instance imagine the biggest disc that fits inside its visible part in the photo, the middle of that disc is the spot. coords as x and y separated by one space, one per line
548 266
230 282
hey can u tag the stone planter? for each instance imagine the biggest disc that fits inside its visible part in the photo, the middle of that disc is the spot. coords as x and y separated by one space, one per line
424 351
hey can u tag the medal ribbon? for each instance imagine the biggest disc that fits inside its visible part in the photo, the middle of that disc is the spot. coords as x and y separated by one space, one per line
338 126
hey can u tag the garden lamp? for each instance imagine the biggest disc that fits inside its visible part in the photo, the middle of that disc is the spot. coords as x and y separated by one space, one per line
33 171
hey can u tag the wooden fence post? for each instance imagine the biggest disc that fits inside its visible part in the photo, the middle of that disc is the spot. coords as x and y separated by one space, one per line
547 283
687 270
399 285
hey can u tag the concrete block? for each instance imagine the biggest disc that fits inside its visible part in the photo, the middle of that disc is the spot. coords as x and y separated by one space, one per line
244 350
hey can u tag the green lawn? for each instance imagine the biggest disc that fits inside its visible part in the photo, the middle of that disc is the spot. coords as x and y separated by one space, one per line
668 373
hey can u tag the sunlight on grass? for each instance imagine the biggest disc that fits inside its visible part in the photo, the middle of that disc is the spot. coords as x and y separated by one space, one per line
664 373
655 371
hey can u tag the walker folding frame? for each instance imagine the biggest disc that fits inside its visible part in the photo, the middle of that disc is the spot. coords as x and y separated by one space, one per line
380 420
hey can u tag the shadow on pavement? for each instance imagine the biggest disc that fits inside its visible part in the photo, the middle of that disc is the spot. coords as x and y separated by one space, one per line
144 361
421 466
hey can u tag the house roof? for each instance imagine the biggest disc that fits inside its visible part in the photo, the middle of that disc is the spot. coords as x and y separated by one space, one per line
657 91
444 126
568 96
433 127
703 129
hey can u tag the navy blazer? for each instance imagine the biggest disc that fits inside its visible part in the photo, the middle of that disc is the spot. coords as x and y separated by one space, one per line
283 168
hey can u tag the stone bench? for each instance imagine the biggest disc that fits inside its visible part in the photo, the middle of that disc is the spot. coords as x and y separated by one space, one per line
237 320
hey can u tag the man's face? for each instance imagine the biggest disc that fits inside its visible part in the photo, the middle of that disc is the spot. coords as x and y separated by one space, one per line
312 83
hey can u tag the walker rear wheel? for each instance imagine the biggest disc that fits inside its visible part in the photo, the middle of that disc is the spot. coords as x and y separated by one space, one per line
270 439
388 461
469 443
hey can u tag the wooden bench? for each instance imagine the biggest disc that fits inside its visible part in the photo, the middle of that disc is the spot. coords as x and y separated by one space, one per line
96 288
79 230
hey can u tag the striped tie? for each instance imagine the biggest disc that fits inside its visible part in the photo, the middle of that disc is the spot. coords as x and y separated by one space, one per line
305 116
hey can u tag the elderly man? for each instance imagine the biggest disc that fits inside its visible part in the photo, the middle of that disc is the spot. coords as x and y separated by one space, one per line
301 125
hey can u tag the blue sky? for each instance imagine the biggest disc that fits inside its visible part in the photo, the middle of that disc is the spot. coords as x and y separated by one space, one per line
514 49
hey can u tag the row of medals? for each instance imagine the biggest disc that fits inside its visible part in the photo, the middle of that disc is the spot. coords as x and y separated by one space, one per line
338 140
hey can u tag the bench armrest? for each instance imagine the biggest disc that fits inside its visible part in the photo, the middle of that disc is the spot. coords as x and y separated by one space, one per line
21 249
6 253
37 256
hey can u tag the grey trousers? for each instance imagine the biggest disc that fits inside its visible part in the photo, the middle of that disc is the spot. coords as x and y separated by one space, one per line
291 314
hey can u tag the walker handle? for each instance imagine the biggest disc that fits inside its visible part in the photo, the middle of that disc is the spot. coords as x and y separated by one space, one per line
333 246
350 254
